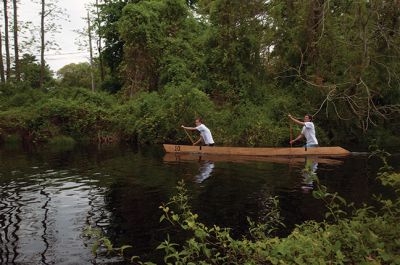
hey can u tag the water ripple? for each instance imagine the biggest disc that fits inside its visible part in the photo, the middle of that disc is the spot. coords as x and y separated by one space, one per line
46 212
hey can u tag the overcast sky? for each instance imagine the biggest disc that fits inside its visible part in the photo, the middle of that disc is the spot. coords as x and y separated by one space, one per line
69 53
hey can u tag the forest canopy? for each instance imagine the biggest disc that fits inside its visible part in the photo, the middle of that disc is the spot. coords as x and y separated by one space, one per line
251 62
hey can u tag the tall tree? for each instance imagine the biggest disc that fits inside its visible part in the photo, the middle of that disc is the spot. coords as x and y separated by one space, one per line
30 71
158 50
99 44
91 51
77 75
42 44
1 60
16 47
233 48
6 40
50 17
110 12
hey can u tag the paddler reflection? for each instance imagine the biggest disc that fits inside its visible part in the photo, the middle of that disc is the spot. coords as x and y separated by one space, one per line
206 168
309 174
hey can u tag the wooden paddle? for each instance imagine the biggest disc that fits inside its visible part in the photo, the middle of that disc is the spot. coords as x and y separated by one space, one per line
190 137
291 135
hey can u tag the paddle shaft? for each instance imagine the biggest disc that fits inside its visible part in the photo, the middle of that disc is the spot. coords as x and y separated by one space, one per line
190 137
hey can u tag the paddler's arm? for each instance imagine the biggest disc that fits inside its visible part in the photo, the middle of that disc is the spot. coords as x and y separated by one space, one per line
189 128
296 120
297 138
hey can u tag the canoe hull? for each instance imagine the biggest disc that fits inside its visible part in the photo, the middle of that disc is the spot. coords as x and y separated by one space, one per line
291 160
256 151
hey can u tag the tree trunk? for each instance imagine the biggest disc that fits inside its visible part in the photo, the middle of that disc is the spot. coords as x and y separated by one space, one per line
6 40
17 71
99 48
1 60
314 28
42 45
91 52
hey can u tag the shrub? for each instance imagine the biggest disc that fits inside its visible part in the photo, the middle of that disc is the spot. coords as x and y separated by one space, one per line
62 140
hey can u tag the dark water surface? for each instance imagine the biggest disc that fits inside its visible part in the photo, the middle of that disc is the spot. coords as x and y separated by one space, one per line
48 197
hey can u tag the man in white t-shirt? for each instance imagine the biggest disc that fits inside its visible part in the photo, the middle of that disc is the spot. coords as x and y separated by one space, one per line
308 131
205 133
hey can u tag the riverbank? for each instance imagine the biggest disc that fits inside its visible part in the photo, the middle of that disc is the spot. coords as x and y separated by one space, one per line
79 115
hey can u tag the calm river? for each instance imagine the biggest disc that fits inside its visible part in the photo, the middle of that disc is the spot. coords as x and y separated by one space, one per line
48 197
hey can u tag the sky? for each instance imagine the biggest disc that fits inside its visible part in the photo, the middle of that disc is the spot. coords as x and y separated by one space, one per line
69 52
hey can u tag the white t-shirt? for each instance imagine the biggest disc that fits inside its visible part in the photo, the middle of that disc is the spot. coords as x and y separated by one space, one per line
205 134
309 132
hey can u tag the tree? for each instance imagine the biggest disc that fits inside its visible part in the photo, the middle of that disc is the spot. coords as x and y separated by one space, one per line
112 53
77 75
1 60
233 48
99 40
91 52
31 71
110 12
341 57
158 50
6 40
16 47
50 16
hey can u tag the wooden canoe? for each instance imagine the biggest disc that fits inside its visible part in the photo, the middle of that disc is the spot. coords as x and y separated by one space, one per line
291 160
257 151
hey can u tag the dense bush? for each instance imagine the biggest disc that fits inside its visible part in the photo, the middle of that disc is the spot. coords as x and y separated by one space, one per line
147 118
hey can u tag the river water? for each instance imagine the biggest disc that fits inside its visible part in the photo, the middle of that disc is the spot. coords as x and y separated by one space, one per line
48 196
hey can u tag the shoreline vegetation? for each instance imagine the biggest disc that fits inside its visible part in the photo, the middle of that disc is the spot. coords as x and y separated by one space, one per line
77 115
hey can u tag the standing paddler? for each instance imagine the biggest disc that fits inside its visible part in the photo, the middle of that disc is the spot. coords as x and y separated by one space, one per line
205 133
308 131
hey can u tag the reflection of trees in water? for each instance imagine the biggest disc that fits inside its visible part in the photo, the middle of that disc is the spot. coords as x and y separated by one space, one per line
44 224
269 211
10 222
97 215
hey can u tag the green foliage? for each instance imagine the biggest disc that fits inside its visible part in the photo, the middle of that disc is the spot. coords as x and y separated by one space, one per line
155 118
233 48
340 55
335 59
78 75
148 118
241 65
11 139
39 116
248 124
17 95
62 140
110 13
102 243
158 51
30 72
